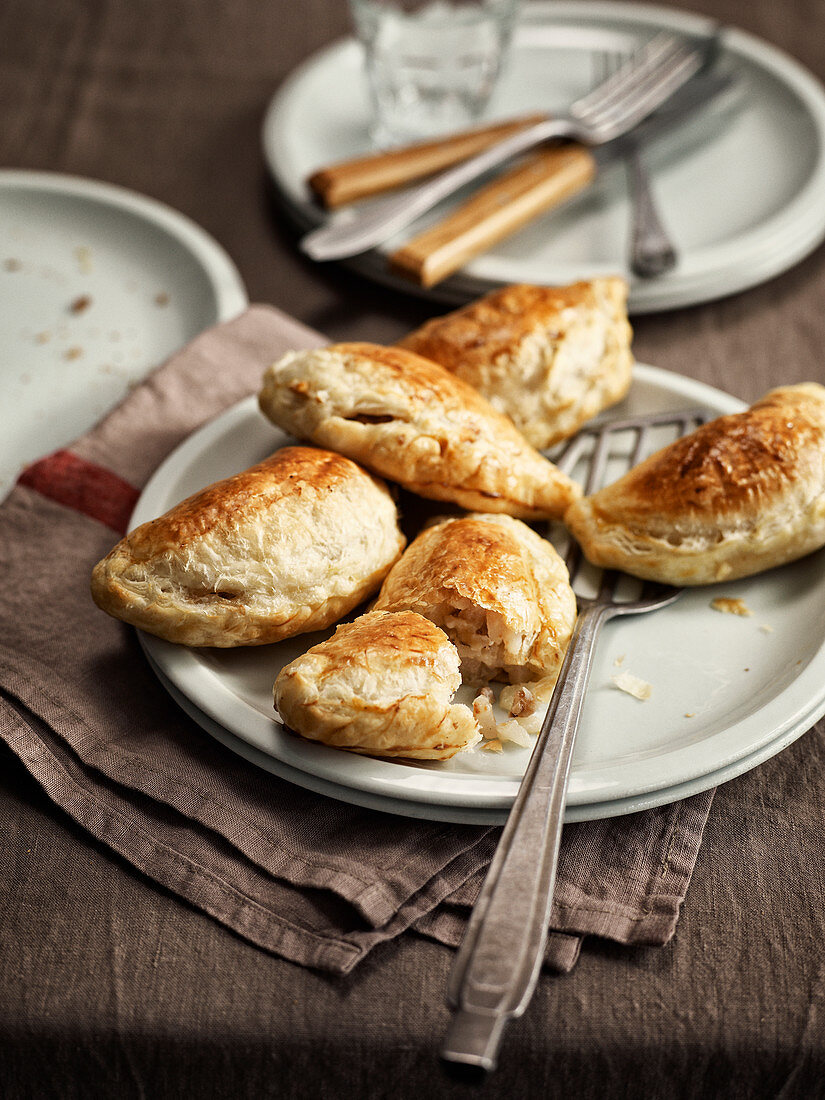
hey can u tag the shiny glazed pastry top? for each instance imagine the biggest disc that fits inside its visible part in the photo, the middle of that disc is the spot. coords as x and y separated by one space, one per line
551 358
287 546
496 587
741 494
411 420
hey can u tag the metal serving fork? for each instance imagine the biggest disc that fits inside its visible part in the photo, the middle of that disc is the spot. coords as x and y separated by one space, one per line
498 963
649 77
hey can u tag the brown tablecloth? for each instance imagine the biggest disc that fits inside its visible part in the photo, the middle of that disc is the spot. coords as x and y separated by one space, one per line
108 985
316 880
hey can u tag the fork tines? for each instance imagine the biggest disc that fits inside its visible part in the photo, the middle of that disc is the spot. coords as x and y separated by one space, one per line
592 445
597 437
634 66
652 73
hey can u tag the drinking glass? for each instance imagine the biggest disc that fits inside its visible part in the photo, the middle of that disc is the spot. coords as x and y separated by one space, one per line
431 64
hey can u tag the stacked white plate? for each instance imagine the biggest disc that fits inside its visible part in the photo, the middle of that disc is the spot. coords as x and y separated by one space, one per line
728 691
740 188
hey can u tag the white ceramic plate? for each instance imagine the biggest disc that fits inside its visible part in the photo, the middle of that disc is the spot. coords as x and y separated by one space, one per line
728 691
98 286
460 815
741 193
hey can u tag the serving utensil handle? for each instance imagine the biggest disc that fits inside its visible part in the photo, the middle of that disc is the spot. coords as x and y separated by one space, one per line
498 962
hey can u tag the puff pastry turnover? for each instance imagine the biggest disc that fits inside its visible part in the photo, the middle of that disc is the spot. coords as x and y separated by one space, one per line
414 422
381 685
741 494
551 358
498 589
287 546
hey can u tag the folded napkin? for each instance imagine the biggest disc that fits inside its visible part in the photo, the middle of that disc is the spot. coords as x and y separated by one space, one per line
315 880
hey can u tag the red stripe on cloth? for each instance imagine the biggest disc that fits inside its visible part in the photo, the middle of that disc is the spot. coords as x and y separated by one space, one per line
89 489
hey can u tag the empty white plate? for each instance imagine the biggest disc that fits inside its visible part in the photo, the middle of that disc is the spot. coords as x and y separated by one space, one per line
98 285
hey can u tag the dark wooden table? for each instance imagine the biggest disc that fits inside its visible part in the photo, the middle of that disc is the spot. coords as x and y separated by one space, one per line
109 987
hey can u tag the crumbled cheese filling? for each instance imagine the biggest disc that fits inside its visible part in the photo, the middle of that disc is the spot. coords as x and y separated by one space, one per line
483 714
515 732
493 745
525 712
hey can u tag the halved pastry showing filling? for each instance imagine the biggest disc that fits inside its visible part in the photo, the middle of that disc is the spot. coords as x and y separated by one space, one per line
411 420
287 546
551 358
497 588
741 494
382 685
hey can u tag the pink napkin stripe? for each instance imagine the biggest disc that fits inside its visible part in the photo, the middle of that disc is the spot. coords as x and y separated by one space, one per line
83 486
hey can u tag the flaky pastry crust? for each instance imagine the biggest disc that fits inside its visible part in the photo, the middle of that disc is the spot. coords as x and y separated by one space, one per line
551 358
498 589
412 421
382 685
287 546
741 494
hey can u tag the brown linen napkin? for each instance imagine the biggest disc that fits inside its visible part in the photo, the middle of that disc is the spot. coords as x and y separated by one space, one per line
315 880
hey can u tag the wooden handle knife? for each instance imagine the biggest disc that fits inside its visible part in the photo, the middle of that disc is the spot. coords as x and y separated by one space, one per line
348 181
541 181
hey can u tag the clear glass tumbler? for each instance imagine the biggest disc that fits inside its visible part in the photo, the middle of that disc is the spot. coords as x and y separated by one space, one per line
431 64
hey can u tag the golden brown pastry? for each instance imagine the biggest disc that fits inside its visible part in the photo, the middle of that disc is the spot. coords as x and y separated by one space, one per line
381 685
551 358
741 494
287 546
410 420
498 589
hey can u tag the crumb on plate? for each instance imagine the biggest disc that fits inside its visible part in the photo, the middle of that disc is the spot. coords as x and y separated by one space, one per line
83 255
731 605
633 685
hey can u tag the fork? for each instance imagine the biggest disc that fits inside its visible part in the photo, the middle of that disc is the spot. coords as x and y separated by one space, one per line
651 74
497 966
652 252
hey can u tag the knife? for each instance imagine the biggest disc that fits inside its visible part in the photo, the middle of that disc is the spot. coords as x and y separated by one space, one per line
363 177
539 183
651 76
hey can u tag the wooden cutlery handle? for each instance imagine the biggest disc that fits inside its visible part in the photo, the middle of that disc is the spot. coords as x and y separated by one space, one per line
351 180
538 183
